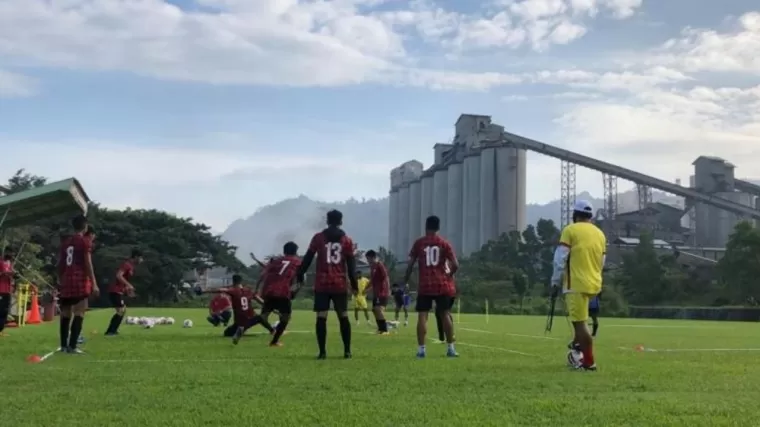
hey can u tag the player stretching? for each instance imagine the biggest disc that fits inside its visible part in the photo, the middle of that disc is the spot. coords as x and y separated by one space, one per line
76 277
400 301
578 263
242 299
360 299
335 260
119 288
279 275
380 290
437 266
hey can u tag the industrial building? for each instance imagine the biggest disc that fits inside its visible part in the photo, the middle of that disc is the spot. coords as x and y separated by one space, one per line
477 186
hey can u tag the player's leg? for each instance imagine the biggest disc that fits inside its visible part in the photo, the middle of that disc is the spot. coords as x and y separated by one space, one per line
378 309
120 309
443 311
424 305
77 323
577 307
5 305
66 306
340 305
321 308
285 308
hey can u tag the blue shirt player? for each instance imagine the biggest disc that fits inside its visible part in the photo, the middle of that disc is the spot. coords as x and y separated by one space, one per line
593 312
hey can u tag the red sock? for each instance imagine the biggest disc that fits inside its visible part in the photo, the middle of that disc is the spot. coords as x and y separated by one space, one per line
588 355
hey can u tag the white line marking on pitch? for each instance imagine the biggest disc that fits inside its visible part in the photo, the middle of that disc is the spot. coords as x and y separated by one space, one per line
538 337
487 347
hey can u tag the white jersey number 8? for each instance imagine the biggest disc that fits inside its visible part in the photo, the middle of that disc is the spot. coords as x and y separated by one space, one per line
69 255
432 255
332 251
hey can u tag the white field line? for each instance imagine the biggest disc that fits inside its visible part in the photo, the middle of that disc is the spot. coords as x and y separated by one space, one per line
690 350
538 337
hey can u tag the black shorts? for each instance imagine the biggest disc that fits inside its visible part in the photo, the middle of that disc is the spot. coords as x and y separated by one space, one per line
279 304
117 300
71 301
379 302
322 301
442 303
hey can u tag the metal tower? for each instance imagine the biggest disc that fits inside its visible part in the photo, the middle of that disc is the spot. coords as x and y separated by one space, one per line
568 192
610 196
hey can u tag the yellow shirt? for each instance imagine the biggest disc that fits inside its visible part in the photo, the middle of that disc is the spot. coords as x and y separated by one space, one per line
363 285
588 246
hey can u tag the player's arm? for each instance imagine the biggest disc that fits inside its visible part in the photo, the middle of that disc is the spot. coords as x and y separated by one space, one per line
560 256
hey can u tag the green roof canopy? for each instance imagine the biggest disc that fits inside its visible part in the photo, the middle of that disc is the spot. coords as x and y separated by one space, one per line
65 197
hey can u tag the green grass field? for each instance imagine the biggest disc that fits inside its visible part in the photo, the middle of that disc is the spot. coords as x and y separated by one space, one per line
508 374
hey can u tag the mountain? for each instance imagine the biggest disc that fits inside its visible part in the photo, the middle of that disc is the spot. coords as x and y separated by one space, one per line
366 221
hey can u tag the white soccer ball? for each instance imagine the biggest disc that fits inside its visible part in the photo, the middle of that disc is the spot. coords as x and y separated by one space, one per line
187 323
170 321
574 359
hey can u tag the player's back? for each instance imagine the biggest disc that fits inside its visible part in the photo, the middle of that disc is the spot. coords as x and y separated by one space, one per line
333 248
433 254
279 274
73 252
588 246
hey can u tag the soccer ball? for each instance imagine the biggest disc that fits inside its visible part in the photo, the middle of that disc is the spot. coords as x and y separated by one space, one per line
574 359
187 323
169 320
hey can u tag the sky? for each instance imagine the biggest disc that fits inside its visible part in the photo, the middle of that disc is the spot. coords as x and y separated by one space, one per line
211 109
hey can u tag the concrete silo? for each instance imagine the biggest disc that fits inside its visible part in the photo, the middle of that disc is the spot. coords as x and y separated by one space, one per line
471 205
453 230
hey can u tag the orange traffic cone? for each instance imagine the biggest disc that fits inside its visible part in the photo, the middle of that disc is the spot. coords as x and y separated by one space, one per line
34 317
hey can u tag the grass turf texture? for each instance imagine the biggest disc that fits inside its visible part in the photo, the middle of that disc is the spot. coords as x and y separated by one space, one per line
509 374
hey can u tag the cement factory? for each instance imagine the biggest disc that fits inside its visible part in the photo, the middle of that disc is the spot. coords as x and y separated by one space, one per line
477 186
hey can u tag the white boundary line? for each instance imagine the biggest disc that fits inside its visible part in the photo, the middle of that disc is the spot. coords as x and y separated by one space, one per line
538 337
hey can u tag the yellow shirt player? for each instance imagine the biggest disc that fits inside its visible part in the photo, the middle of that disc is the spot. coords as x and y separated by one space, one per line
578 264
360 299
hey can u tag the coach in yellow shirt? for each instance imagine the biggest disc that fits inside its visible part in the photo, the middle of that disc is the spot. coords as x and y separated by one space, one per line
578 263
360 299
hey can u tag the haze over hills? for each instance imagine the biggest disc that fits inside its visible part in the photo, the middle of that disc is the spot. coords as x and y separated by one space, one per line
366 221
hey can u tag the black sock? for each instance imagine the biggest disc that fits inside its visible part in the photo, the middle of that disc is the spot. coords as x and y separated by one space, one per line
595 328
76 330
439 324
115 320
279 330
321 334
383 325
64 331
345 334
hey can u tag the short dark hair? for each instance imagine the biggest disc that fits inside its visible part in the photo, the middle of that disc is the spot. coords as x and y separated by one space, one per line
335 217
290 248
370 254
237 279
79 222
432 223
136 253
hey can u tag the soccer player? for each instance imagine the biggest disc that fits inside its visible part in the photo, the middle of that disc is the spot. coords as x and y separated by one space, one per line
76 278
380 290
219 310
400 297
437 265
593 312
244 315
278 277
119 288
360 299
6 289
578 263
334 251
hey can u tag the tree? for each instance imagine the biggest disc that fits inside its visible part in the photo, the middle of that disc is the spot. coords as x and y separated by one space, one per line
739 268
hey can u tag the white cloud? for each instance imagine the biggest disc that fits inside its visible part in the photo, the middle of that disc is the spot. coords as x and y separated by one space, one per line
211 185
14 85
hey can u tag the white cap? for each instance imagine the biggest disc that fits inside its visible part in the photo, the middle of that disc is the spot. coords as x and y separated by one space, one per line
583 206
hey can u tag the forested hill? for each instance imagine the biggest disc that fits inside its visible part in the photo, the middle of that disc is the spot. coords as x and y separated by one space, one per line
366 221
